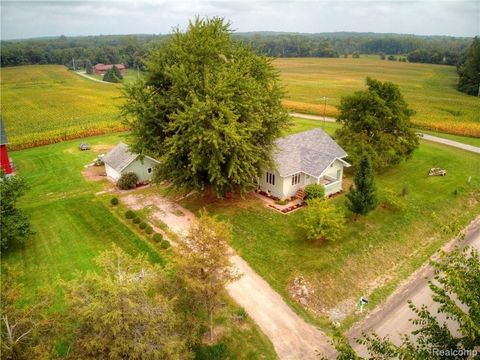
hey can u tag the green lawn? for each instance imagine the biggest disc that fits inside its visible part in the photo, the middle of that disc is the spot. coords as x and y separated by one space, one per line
377 251
428 89
73 225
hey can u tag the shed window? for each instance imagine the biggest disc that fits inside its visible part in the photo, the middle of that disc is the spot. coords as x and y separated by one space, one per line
296 179
270 178
149 170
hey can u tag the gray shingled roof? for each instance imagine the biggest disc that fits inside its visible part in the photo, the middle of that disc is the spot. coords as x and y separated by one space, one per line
310 151
119 157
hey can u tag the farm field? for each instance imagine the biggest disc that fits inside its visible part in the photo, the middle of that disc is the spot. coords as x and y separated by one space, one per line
73 225
429 89
375 252
44 104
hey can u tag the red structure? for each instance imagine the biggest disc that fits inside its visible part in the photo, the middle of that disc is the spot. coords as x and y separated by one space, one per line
101 69
5 164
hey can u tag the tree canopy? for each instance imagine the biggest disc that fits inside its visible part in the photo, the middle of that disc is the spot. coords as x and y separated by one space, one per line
376 122
469 70
14 223
209 109
113 75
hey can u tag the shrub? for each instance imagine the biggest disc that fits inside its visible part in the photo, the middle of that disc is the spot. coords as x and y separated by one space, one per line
114 201
281 202
149 230
127 181
392 201
322 220
314 191
157 237
165 244
355 55
129 214
142 225
392 58
212 352
137 220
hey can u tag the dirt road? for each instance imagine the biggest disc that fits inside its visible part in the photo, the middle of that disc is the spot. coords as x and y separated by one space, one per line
427 137
291 336
392 318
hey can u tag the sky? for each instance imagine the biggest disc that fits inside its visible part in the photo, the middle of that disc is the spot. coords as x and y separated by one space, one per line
27 19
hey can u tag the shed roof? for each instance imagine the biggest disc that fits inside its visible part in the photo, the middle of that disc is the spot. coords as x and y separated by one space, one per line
310 152
119 157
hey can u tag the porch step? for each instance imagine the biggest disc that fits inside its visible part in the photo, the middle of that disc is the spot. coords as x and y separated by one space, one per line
300 194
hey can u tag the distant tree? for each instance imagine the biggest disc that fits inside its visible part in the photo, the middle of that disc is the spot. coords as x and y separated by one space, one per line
88 67
113 75
355 55
376 122
392 58
362 198
14 223
205 267
469 70
27 329
121 312
455 291
211 113
382 56
345 55
322 221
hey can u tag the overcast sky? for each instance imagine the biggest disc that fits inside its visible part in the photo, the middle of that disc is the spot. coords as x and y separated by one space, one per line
26 19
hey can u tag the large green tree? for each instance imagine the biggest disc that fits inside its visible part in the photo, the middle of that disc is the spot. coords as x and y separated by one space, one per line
376 121
122 313
362 198
455 290
469 70
14 223
209 109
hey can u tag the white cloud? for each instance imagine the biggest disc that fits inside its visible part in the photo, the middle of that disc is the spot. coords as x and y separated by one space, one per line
21 19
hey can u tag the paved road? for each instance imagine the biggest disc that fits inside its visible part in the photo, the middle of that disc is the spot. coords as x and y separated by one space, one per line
427 137
92 78
292 337
392 318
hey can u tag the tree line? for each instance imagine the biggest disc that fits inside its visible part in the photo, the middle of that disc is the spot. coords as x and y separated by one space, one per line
131 49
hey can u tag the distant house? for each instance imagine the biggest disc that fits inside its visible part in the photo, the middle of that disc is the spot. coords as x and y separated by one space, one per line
101 69
120 161
5 163
310 157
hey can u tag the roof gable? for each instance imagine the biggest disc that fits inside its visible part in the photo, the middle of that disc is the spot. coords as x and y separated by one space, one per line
119 157
310 151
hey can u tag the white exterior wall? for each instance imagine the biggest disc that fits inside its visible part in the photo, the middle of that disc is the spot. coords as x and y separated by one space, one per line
141 168
332 170
275 190
112 173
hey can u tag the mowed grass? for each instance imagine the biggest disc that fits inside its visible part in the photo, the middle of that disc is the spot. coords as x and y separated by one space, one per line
375 252
43 104
430 90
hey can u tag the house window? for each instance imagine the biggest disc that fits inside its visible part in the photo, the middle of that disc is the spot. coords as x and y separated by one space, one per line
149 170
296 179
270 178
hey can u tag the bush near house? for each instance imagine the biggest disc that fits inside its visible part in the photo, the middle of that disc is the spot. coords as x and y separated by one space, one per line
137 220
129 214
142 225
322 220
149 230
114 201
157 237
127 181
165 244
314 191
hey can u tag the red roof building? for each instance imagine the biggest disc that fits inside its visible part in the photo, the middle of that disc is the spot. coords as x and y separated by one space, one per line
101 69
5 164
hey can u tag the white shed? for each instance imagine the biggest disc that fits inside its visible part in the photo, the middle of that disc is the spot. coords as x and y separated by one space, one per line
120 161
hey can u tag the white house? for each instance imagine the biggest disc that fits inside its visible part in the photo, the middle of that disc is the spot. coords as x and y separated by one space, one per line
309 157
120 161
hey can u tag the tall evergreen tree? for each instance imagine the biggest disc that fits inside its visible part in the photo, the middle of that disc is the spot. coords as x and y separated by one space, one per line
469 70
362 198
88 67
209 109
376 121
113 75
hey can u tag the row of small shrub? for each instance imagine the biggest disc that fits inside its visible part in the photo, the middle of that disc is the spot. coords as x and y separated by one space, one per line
157 237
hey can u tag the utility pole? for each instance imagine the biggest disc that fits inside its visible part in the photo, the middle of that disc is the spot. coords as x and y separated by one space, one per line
73 61
324 109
